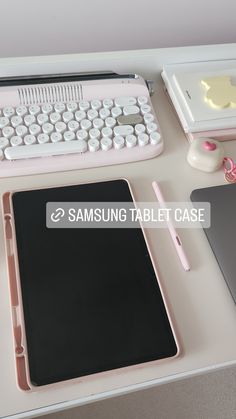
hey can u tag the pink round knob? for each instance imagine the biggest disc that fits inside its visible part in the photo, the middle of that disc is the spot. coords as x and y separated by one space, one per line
209 146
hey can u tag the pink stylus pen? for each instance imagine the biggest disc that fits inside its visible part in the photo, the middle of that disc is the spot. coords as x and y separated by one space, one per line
175 237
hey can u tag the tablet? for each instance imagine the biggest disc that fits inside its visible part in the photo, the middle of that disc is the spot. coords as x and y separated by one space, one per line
84 301
222 232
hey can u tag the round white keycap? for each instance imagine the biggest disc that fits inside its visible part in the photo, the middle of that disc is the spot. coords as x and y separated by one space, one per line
34 129
96 104
47 128
55 117
72 106
148 117
29 120
60 127
98 123
82 134
155 138
116 112
80 115
86 124
16 120
131 110
4 121
151 127
16 141
145 109
106 143
8 132
143 139
107 103
104 113
29 139
130 140
43 138
34 109
47 108
110 122
8 111
56 137
73 125
42 118
59 107
92 114
21 110
81 146
142 100
106 132
69 136
93 145
21 130
94 133
119 142
84 105
139 128
4 142
67 116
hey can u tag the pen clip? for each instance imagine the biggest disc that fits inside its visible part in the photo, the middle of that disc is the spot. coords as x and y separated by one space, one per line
178 240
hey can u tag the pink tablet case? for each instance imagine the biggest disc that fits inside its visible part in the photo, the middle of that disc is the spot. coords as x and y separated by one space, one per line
20 344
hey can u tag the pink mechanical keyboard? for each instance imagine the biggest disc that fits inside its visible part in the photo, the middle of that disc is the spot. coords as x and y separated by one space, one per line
58 123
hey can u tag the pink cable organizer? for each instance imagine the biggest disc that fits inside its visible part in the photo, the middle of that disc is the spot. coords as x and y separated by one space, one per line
229 170
15 297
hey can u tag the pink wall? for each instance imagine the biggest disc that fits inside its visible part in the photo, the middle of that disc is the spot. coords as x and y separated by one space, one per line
30 27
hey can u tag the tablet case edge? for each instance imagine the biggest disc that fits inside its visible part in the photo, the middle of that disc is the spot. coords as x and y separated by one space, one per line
13 282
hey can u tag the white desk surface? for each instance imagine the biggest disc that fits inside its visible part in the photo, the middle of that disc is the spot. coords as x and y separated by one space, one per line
203 309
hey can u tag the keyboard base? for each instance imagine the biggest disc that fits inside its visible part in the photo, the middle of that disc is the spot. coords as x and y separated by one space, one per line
78 161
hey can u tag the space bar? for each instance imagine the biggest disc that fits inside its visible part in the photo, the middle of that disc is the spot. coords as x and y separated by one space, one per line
44 150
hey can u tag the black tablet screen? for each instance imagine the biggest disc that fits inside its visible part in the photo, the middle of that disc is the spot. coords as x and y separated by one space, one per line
90 296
